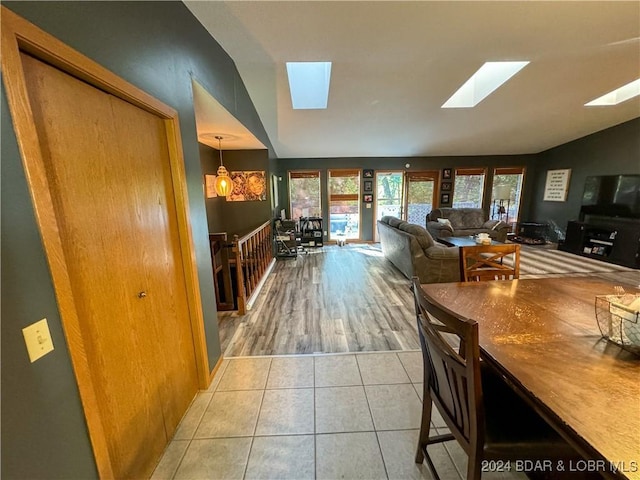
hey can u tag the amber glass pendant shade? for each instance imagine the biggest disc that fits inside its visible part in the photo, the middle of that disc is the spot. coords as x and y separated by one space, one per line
223 182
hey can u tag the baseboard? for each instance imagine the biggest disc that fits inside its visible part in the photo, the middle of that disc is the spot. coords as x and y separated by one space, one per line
255 293
215 369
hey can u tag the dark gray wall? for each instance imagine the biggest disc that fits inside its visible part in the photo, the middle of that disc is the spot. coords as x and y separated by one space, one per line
159 47
398 163
236 218
44 433
613 151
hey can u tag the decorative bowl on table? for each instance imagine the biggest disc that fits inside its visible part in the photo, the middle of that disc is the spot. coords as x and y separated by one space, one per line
483 239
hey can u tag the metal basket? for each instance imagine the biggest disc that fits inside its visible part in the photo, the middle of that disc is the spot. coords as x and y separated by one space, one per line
619 319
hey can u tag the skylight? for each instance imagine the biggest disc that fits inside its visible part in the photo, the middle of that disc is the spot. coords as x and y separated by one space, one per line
309 84
619 95
482 83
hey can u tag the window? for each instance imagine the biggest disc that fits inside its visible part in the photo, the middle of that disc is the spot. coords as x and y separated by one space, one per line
304 194
468 188
344 204
506 193
420 195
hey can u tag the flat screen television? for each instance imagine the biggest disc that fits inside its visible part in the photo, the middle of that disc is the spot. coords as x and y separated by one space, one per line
612 196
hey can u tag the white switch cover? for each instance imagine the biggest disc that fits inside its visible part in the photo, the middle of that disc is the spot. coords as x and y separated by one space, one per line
38 339
368 205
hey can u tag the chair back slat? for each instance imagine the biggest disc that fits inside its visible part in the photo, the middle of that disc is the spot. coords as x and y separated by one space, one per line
453 376
463 394
489 262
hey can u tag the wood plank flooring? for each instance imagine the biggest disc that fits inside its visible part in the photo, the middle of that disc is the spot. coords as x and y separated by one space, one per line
332 299
351 299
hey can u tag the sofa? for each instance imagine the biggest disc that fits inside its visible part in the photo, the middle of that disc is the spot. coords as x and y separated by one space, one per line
464 222
414 252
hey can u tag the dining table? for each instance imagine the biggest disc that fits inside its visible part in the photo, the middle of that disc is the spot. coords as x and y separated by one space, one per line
542 335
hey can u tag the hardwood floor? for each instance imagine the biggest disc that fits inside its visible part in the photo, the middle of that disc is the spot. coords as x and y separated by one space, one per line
350 299
332 299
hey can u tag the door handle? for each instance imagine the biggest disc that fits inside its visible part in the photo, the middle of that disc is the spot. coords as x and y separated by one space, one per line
142 294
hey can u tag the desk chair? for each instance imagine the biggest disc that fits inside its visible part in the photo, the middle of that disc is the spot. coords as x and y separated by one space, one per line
486 417
488 262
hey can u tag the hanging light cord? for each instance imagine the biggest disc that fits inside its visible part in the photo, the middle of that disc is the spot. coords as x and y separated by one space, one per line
223 181
219 138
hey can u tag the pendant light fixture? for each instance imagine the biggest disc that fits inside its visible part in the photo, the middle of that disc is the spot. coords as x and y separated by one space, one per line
223 181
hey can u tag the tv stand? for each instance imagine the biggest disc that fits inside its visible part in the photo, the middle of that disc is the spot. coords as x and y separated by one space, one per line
609 239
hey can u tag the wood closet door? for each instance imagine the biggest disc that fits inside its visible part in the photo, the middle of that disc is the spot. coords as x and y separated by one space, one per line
109 173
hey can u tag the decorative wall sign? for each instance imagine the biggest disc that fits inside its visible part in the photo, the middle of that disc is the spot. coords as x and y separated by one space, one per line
248 186
557 186
210 186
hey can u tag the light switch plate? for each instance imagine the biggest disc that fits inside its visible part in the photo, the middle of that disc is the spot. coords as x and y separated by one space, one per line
38 339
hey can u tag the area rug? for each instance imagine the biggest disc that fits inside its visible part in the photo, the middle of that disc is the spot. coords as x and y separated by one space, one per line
536 262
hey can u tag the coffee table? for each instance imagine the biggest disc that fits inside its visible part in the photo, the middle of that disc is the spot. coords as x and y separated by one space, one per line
462 241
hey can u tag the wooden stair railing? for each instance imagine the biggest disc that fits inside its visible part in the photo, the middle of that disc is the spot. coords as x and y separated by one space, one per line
253 258
221 271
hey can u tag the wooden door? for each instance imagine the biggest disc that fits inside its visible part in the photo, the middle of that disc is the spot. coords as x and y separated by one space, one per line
108 170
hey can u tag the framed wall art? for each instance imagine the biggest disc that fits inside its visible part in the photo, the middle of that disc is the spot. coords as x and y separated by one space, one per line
248 186
446 186
367 173
367 198
368 185
210 186
444 199
556 187
446 173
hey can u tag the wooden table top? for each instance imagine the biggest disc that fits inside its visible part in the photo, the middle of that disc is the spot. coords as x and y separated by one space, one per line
544 335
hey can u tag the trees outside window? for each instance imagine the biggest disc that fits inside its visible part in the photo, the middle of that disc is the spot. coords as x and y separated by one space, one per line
304 194
420 195
344 204
507 193
468 189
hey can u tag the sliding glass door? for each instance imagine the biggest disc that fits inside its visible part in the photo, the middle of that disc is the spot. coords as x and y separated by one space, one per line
344 204
388 198
406 195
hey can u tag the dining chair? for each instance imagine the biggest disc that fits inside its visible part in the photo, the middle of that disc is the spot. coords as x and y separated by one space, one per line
484 415
490 262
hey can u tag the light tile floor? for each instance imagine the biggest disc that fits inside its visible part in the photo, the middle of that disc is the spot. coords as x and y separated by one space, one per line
300 417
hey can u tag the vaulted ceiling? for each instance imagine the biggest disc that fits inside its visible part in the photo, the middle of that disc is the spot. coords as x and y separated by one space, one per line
396 63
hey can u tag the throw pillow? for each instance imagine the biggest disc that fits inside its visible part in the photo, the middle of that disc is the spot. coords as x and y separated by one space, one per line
446 222
498 225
